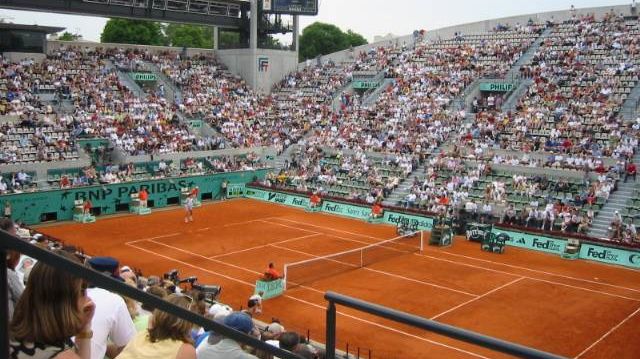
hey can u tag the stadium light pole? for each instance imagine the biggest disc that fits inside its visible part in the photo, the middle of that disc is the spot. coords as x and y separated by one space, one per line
296 33
253 27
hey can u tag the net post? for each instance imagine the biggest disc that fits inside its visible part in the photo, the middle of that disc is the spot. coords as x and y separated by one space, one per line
284 278
422 241
4 306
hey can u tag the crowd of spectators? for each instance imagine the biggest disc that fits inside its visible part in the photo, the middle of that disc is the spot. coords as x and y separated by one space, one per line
581 74
99 106
356 176
533 200
568 119
56 314
414 114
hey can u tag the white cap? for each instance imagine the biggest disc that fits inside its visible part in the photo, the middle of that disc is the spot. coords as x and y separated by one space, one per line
219 309
275 328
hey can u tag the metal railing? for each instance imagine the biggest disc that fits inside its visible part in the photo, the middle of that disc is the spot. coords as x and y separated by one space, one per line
421 323
9 242
201 7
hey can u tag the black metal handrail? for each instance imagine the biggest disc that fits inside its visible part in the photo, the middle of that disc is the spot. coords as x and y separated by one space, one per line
422 323
9 242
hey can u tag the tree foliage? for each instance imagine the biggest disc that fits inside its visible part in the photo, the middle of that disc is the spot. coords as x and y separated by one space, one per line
137 32
67 36
185 35
228 39
321 39
355 39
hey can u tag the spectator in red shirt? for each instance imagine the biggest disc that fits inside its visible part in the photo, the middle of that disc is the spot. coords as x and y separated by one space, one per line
315 200
271 273
143 196
376 210
64 182
631 171
86 207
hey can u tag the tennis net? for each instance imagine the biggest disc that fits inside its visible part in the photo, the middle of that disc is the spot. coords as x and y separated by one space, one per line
321 267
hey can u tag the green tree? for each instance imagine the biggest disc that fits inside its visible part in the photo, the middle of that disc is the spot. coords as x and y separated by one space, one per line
355 39
228 39
137 32
67 36
181 35
270 42
321 39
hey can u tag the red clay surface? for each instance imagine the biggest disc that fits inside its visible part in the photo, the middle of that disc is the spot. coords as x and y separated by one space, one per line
570 308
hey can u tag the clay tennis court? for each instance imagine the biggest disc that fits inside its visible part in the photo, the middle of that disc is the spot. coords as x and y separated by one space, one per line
571 308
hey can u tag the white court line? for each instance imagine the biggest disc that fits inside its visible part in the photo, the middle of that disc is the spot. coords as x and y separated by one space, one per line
540 271
329 229
156 237
477 298
245 222
528 277
284 225
509 273
264 246
387 273
202 230
316 305
326 234
607 333
479 259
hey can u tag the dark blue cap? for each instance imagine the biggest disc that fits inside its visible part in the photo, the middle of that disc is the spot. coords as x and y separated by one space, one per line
104 264
239 321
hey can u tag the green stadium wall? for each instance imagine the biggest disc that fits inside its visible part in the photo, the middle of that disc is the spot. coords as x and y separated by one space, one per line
31 208
625 257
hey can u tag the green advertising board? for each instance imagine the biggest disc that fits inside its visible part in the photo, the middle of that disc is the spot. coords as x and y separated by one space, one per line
235 190
277 197
533 241
610 255
413 221
93 142
32 207
195 124
270 289
339 208
496 86
365 84
144 76
346 210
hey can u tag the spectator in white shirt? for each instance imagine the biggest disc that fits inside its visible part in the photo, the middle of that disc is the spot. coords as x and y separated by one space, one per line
112 325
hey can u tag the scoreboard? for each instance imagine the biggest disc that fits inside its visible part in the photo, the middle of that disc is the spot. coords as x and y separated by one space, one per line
291 7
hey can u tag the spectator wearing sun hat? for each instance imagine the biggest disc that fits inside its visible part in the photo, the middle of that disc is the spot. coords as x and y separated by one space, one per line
228 348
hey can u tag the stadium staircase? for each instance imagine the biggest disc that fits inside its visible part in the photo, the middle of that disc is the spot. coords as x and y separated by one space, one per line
516 95
629 111
404 187
285 155
172 92
335 103
464 100
126 80
617 202
514 73
373 97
